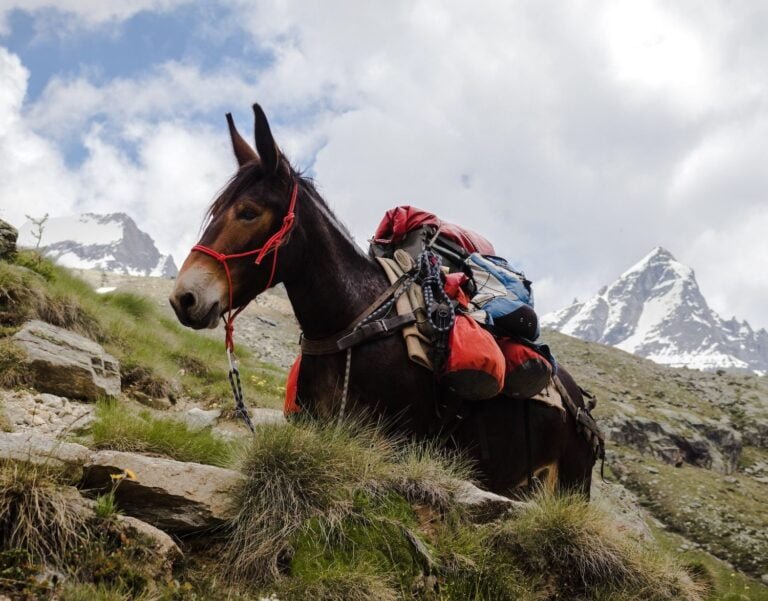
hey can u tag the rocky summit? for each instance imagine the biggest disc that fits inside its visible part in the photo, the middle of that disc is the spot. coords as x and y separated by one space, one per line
110 242
656 310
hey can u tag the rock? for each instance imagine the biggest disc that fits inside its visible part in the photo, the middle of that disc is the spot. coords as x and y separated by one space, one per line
159 403
165 547
44 413
8 237
681 438
764 579
483 506
198 419
171 495
67 364
262 415
42 450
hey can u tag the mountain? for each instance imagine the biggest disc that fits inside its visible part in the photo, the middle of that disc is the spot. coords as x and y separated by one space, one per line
656 310
107 242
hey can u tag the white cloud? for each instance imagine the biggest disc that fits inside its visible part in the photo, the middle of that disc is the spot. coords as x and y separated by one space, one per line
34 178
575 136
90 13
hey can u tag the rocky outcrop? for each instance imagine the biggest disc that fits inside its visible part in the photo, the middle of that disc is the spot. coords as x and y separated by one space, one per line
681 438
8 237
171 495
64 363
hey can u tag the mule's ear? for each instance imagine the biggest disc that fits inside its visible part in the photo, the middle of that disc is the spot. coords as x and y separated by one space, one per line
243 151
265 143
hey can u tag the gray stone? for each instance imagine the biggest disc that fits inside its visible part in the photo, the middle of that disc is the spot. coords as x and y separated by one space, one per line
67 364
42 450
198 419
483 506
171 495
8 237
165 547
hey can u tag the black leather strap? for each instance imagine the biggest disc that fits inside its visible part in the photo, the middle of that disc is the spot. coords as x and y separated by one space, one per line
349 338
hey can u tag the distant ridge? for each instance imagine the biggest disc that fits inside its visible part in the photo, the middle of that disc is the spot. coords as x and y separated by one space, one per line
656 310
110 242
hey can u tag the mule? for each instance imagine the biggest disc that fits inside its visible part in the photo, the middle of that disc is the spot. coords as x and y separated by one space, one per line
330 281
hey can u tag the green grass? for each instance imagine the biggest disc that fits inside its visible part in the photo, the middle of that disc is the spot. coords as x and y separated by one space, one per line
726 584
118 427
158 356
345 513
335 475
727 517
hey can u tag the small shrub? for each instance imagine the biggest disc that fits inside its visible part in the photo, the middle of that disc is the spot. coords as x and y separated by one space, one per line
105 505
117 428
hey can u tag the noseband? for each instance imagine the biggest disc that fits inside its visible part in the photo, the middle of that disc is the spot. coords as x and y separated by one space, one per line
272 245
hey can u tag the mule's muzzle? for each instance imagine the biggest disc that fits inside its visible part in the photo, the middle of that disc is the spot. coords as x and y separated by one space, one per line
192 313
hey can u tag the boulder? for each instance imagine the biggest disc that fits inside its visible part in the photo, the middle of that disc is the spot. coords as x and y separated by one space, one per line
680 438
43 450
66 364
175 496
8 236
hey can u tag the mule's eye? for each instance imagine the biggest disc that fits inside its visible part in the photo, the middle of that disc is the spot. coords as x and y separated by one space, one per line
248 213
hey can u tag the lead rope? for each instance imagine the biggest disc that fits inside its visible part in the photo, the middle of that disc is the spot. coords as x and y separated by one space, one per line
237 390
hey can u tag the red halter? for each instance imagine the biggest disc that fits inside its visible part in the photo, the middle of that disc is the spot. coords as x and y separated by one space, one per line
273 244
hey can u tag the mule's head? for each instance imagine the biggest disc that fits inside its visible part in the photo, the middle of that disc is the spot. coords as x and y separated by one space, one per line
246 214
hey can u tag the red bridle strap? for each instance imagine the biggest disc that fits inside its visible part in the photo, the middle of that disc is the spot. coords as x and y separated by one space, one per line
272 245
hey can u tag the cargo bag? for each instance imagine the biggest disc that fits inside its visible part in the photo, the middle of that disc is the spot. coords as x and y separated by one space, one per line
475 366
526 372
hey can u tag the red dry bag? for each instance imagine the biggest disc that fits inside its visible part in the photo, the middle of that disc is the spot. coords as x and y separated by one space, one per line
527 372
292 389
475 366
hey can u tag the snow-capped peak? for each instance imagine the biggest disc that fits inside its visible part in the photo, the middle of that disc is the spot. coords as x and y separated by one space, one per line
110 242
656 310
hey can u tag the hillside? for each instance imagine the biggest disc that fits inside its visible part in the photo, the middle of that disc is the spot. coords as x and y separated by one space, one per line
345 514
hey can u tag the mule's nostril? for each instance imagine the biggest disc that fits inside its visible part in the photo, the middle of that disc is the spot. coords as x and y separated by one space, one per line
187 300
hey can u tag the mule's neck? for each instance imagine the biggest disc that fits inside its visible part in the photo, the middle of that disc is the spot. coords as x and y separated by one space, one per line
329 280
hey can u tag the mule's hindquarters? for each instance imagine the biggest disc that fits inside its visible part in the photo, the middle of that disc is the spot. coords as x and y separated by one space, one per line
504 447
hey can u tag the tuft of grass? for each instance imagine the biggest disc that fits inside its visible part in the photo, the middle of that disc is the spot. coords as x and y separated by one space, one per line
295 474
577 546
105 506
25 294
119 428
12 369
36 513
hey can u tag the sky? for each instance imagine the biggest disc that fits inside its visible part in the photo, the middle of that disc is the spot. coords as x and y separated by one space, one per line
575 135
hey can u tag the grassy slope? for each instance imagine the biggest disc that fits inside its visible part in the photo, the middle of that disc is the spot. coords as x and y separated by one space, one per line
725 514
157 355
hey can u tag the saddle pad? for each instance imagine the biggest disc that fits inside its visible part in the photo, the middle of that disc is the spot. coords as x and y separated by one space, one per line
418 344
550 396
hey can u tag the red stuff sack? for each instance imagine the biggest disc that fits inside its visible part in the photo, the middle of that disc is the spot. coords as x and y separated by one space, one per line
527 372
475 366
292 389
